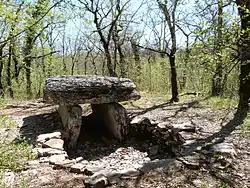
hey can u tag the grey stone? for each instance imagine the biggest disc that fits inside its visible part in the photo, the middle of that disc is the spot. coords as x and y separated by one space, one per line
56 159
154 150
44 137
90 170
67 163
114 117
193 161
9 178
162 125
224 149
163 163
44 152
77 168
71 116
54 143
129 173
98 180
79 159
82 89
188 127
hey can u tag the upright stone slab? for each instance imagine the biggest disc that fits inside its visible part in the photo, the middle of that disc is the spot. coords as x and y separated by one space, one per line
114 117
71 116
102 92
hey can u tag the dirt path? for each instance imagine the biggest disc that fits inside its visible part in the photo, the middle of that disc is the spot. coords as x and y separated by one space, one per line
196 166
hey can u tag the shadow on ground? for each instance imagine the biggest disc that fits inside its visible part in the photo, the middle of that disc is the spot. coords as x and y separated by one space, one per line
35 125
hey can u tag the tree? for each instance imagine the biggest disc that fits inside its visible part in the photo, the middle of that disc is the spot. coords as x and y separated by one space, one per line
217 77
244 48
101 12
169 10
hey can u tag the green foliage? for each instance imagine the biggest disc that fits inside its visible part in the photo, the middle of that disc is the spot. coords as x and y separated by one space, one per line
6 122
223 185
245 127
204 185
219 103
14 154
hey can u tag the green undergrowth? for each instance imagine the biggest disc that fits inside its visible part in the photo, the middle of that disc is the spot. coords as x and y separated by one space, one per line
6 122
218 103
245 127
14 152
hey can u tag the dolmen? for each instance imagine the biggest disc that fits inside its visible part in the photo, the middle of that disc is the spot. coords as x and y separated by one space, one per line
102 92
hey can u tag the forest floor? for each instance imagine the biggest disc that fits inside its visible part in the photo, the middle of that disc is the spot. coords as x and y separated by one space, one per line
196 166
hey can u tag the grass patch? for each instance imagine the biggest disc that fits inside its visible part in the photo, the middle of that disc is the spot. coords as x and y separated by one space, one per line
219 103
245 127
14 154
6 122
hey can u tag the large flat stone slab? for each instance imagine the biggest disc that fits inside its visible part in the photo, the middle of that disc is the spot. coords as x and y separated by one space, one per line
80 89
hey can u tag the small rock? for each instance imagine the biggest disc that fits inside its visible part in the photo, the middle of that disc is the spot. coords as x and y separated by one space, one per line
96 181
192 162
163 163
56 159
84 162
139 120
224 149
33 162
79 159
129 173
90 170
162 125
154 150
9 178
188 127
43 159
44 152
54 143
197 183
67 163
45 137
77 168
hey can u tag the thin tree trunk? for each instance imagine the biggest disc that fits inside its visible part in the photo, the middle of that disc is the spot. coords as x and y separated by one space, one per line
28 77
109 63
217 78
8 78
137 59
170 18
1 70
16 66
85 62
173 79
122 62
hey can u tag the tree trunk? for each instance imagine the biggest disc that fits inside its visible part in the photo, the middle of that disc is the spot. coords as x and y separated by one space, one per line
243 106
1 70
27 61
217 78
137 61
28 77
8 78
173 79
16 65
109 63
171 21
122 62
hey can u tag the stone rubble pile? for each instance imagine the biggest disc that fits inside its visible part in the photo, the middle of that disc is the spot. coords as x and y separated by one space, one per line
128 162
125 162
